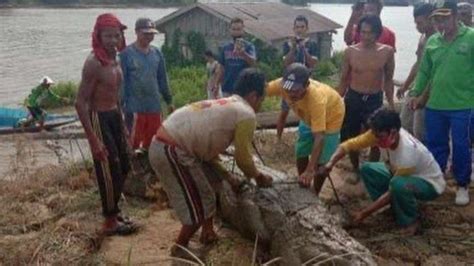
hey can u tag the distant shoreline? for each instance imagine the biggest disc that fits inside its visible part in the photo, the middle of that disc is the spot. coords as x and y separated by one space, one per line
88 6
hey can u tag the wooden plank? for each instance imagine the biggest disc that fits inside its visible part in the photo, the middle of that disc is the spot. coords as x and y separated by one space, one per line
267 120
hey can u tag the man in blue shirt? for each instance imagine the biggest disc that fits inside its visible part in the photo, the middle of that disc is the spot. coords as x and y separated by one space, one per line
235 57
299 49
145 78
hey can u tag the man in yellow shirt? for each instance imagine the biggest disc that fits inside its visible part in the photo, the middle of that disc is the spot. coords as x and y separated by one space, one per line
408 172
320 107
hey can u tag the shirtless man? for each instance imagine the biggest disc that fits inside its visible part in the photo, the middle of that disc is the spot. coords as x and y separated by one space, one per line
97 107
413 120
367 72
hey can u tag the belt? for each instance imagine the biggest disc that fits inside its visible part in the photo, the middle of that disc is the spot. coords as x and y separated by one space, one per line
364 97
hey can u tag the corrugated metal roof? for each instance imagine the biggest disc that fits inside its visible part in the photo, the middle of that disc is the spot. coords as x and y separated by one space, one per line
268 21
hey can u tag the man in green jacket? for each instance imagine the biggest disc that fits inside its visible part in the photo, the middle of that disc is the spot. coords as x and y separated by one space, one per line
448 65
36 99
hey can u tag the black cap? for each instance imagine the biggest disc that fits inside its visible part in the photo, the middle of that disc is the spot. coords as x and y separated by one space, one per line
445 8
296 77
145 25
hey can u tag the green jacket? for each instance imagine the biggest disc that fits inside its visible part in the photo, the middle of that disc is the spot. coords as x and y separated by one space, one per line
449 70
38 95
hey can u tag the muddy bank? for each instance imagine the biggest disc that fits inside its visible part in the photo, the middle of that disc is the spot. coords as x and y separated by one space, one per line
20 154
52 214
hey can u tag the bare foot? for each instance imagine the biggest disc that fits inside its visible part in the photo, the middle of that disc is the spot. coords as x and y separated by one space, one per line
208 237
411 229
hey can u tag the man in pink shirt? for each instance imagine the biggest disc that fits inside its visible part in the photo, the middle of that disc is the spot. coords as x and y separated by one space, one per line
361 8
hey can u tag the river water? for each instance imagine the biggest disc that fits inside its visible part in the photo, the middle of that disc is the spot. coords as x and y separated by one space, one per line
54 42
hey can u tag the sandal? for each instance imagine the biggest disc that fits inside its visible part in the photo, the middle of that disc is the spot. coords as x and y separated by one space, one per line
122 229
124 219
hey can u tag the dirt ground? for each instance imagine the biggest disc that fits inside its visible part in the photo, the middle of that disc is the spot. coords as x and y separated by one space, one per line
54 216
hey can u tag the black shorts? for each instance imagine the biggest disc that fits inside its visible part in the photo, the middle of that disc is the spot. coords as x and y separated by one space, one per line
359 107
36 112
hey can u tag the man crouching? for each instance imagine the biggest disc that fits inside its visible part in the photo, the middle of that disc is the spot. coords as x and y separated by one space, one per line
185 153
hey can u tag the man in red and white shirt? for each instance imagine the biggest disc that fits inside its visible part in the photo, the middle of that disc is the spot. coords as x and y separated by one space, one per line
370 7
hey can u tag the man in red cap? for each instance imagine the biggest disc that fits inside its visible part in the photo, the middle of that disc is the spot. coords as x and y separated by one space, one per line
98 110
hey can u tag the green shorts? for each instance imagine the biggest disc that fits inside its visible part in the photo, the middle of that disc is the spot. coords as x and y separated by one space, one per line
305 141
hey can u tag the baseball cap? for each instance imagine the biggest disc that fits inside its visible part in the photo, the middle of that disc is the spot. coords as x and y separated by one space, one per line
145 25
295 77
445 8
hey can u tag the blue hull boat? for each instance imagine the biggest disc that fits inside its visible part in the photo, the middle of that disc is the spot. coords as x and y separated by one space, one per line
9 118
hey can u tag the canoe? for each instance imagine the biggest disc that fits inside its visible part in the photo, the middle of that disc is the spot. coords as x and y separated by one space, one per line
9 118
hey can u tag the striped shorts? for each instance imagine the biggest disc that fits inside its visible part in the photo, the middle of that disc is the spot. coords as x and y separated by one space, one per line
186 180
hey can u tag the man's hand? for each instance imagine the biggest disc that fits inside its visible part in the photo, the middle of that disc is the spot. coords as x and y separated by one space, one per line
98 149
264 180
292 42
401 92
414 103
391 106
305 178
215 91
280 126
357 11
358 217
324 170
234 182
341 91
170 109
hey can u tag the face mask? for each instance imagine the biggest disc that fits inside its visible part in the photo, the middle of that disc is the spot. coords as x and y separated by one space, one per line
387 142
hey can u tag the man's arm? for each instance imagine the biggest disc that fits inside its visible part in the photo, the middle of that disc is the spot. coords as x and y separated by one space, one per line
243 156
389 68
289 50
381 202
344 83
163 80
411 76
249 55
220 68
310 55
84 95
274 88
280 125
311 168
123 89
353 20
423 76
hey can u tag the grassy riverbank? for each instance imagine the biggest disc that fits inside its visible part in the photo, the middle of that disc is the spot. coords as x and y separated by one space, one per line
188 83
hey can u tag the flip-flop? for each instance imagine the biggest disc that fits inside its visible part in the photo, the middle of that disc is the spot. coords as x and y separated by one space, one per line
122 229
124 219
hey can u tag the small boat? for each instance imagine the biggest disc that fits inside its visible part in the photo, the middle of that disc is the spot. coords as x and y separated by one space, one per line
10 118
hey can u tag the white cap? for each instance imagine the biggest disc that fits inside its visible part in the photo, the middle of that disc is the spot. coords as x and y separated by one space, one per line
46 80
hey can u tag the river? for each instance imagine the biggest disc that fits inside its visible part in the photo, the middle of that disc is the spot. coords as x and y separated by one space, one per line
54 42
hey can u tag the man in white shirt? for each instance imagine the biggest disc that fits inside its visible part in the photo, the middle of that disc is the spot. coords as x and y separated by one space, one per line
408 171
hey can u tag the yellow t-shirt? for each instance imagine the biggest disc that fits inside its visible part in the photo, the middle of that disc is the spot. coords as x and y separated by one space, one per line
322 108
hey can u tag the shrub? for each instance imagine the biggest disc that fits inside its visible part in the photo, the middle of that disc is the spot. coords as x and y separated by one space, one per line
64 89
188 84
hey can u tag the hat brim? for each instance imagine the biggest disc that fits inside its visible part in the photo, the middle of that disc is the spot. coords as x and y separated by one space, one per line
443 12
291 85
148 30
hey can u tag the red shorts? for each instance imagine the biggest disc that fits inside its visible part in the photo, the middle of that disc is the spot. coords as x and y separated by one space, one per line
144 128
